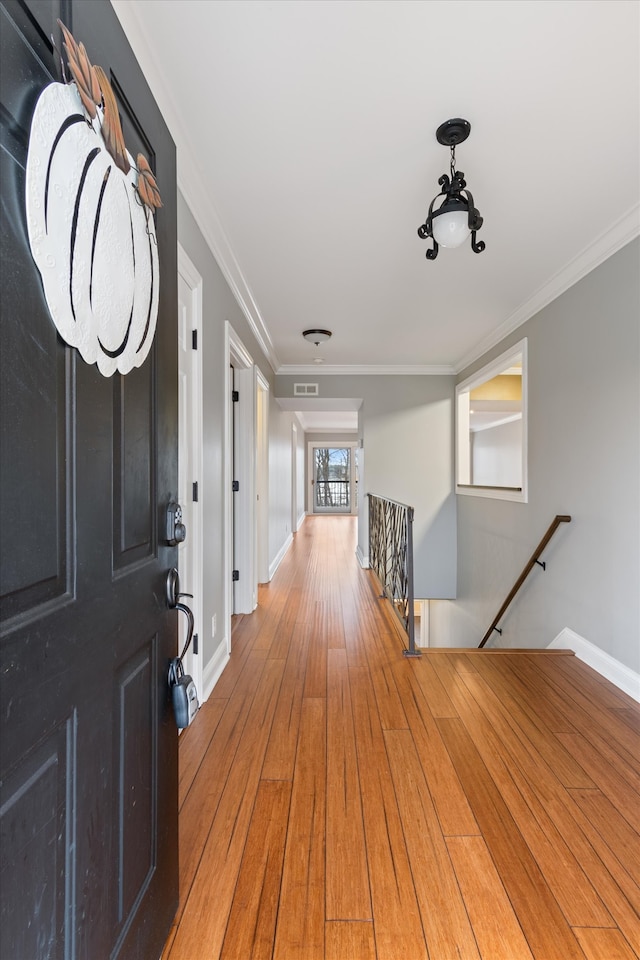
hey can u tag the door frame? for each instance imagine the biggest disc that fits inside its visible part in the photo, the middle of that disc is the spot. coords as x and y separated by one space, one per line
194 540
335 444
295 493
262 477
246 593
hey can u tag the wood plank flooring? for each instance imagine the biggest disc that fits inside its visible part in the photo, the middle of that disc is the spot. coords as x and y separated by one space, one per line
341 802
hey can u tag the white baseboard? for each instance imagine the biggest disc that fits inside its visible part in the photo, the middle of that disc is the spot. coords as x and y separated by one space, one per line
301 519
278 560
612 669
212 671
362 560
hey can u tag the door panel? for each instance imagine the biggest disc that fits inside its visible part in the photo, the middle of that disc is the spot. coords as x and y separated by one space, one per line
134 427
88 805
34 385
136 757
331 479
235 476
41 788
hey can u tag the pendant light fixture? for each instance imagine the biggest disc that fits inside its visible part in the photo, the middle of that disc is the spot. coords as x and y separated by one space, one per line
451 223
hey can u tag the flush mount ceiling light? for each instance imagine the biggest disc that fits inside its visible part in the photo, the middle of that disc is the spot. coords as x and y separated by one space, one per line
316 336
456 217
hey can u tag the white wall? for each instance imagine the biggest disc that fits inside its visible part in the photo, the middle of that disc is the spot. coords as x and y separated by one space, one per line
496 455
584 460
280 482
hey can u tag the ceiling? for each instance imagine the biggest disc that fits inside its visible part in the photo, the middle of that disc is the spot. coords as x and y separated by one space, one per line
307 152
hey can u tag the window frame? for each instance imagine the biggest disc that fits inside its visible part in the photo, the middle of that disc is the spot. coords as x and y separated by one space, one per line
485 373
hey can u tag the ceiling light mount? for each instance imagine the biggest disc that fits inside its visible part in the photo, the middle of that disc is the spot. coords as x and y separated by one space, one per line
452 132
450 224
316 336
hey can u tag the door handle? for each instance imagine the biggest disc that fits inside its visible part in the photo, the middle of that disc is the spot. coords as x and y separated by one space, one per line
189 615
173 600
173 588
184 695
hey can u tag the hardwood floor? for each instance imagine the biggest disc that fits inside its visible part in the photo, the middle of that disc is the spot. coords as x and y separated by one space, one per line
341 802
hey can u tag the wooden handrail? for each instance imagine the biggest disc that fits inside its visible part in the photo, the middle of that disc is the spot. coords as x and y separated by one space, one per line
560 518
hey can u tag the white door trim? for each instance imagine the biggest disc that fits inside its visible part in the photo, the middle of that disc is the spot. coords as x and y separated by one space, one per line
194 541
262 477
295 493
246 593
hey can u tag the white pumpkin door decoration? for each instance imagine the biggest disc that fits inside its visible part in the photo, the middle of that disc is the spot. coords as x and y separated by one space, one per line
90 220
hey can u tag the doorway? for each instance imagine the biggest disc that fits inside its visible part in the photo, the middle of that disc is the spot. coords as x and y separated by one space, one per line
332 478
241 595
295 492
262 478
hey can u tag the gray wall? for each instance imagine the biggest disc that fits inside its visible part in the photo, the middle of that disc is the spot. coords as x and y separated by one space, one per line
406 425
300 476
220 305
584 404
281 455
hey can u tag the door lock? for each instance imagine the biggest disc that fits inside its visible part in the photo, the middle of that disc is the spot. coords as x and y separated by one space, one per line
176 531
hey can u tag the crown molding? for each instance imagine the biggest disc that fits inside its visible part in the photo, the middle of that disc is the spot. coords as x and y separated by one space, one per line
622 232
190 182
371 370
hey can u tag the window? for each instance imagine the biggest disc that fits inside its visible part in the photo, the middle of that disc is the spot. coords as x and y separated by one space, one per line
332 479
491 429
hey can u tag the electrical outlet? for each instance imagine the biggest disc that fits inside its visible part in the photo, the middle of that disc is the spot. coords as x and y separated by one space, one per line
213 626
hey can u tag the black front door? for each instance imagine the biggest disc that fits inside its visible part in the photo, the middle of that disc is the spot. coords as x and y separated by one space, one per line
88 809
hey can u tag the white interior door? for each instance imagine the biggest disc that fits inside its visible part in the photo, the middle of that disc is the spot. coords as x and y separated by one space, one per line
262 478
237 479
189 460
240 460
294 478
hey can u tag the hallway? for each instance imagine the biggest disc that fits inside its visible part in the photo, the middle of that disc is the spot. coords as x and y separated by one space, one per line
340 802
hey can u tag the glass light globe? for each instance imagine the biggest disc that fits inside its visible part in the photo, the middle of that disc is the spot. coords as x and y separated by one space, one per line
450 228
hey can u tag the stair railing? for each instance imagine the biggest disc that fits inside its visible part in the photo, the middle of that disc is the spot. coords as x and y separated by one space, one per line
534 559
391 559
